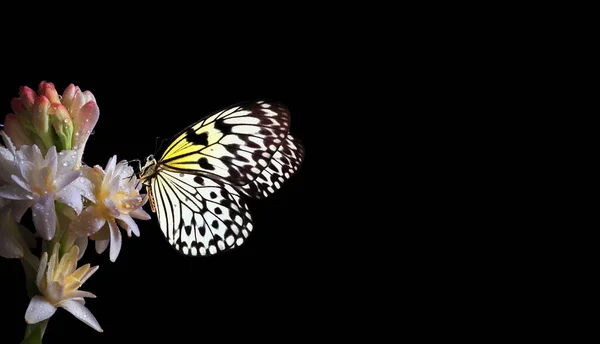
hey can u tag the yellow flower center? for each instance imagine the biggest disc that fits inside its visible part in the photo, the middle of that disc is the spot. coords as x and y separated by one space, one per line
48 187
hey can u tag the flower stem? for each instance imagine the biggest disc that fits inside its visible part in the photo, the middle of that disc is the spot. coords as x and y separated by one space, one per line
35 332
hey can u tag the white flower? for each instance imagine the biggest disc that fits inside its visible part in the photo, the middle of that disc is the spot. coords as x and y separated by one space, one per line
8 167
58 281
39 181
117 200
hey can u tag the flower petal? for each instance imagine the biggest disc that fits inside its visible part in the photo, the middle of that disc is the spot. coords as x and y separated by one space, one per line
41 269
83 123
81 312
110 168
88 222
85 187
52 262
39 309
140 214
44 216
130 225
8 142
115 240
82 243
70 196
111 207
68 95
15 191
51 160
101 245
67 160
89 273
67 178
55 290
80 293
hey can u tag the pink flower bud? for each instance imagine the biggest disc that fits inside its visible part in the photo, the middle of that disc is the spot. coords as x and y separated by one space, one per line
68 95
40 114
15 131
27 96
17 107
47 89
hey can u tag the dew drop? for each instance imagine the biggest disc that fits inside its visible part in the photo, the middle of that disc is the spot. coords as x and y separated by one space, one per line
59 97
66 121
93 132
76 133
64 164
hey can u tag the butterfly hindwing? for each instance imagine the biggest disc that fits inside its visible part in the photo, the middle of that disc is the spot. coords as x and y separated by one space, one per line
235 144
198 215
281 167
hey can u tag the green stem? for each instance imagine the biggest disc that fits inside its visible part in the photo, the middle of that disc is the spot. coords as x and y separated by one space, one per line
35 332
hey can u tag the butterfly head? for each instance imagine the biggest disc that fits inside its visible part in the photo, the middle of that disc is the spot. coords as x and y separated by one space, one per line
149 169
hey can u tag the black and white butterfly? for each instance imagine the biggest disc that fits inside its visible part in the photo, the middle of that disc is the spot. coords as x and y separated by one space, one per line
197 185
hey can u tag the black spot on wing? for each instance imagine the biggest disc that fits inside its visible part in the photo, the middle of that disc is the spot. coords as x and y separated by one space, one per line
200 139
203 162
223 127
199 180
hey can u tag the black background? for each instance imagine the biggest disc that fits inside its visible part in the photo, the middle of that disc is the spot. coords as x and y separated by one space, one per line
274 284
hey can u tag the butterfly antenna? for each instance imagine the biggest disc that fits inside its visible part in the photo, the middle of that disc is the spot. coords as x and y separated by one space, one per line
157 145
139 165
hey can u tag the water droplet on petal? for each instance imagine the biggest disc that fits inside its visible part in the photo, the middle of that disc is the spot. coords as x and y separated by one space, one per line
77 133
66 121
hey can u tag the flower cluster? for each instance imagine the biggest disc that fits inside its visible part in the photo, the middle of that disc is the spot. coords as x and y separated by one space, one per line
70 203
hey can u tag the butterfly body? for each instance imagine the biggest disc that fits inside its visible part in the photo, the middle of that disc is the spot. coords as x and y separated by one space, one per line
196 185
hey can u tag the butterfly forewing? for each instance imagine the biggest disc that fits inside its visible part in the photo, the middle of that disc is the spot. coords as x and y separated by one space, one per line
235 144
198 215
281 167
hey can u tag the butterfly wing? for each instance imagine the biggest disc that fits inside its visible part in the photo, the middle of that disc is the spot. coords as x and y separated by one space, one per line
285 162
198 215
235 144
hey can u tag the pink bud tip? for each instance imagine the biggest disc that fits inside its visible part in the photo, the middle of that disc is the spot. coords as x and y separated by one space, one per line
27 96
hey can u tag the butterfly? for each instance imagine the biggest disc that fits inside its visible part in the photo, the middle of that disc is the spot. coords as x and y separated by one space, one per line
198 184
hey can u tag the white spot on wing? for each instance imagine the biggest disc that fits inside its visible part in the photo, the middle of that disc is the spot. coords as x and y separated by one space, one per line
230 239
245 129
242 120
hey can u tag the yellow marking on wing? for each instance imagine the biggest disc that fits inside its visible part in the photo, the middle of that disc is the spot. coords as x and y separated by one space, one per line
181 146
